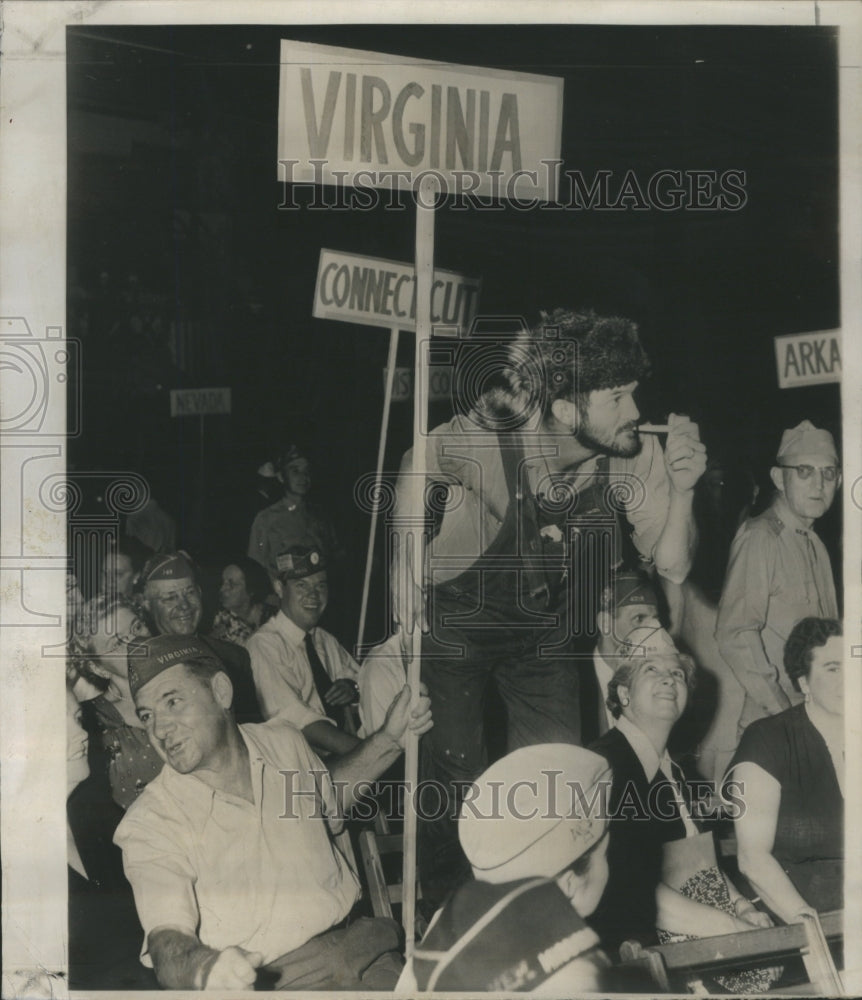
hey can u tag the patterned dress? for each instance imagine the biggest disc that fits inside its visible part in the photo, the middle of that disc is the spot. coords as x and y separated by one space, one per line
132 762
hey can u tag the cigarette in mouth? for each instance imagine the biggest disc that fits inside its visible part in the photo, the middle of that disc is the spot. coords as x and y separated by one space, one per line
653 428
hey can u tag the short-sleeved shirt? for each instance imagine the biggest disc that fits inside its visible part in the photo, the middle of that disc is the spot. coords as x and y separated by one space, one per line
467 457
809 836
779 572
264 875
381 678
282 673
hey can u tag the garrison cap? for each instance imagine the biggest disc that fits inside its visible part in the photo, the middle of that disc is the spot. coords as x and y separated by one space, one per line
151 657
629 587
298 562
806 439
167 566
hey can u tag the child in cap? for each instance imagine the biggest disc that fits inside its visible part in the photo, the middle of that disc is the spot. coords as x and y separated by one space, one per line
535 833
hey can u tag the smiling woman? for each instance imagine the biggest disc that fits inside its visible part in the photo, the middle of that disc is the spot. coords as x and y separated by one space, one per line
99 655
664 879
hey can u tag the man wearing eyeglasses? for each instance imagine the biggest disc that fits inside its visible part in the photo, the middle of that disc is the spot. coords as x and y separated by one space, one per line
779 572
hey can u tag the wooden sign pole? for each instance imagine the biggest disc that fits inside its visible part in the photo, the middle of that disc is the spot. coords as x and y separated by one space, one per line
426 198
381 452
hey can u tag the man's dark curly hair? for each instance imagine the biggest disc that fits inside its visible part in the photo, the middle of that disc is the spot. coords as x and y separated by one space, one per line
806 636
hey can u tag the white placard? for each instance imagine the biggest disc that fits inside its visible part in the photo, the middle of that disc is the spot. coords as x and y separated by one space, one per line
374 120
808 358
199 402
374 292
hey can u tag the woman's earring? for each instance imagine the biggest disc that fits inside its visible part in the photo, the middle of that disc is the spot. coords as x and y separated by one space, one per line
624 702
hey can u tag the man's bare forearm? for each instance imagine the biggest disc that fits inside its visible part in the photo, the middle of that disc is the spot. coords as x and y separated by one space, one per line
323 735
363 764
180 961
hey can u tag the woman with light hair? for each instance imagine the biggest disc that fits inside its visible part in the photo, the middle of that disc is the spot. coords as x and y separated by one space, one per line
664 879
98 669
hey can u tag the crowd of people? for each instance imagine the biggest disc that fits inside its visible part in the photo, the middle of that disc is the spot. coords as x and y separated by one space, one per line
215 754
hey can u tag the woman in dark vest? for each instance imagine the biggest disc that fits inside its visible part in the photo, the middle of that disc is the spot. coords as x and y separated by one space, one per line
664 882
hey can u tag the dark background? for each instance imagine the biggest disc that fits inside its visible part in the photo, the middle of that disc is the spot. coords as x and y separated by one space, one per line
184 272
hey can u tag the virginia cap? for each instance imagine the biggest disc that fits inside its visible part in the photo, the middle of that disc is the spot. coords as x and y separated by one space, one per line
534 812
150 657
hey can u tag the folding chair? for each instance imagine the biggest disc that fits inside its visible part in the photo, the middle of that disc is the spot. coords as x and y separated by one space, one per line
383 894
668 964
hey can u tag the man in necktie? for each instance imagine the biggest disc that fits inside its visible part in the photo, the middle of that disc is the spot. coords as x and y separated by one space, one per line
779 572
301 672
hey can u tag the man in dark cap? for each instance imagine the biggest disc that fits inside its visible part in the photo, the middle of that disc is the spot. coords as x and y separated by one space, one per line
291 520
229 850
779 572
301 672
172 597
628 602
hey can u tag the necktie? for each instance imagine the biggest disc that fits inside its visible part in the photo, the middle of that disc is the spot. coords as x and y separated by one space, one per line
675 793
322 680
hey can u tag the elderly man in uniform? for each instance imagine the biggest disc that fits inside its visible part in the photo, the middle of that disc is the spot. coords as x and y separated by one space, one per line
779 572
301 671
172 598
229 850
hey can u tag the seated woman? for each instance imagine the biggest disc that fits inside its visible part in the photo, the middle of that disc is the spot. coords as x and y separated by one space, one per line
244 589
664 880
788 778
99 661
101 906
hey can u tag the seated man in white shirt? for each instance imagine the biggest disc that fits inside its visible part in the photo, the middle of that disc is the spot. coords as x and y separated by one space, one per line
381 677
302 673
628 603
229 850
